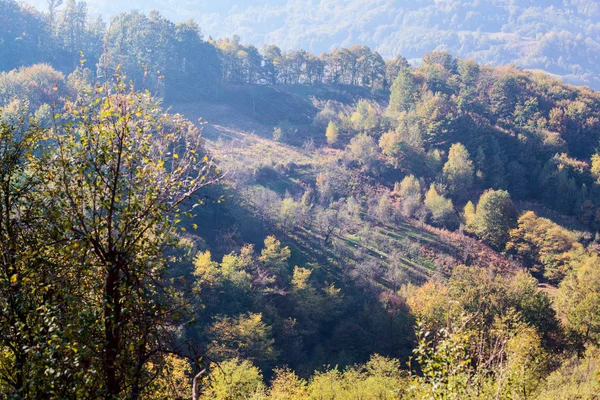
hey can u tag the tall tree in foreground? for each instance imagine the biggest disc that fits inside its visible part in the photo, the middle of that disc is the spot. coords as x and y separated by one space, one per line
120 172
24 272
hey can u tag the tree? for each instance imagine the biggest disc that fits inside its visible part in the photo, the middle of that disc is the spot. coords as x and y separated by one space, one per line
173 382
432 305
436 119
35 87
119 174
596 167
575 378
71 29
196 71
392 69
458 171
544 246
284 131
442 58
482 335
409 190
342 215
332 133
272 57
469 213
274 257
289 214
402 92
495 216
489 296
380 378
441 209
26 36
445 363
233 379
384 209
244 336
169 58
578 298
287 386
34 286
53 6
365 118
363 150
469 72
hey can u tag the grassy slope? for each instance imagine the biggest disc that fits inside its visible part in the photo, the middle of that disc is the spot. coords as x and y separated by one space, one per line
241 140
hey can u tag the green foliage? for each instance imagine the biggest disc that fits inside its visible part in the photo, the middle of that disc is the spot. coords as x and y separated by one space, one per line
596 167
402 92
274 257
39 354
363 150
495 295
431 304
544 246
469 213
458 171
284 131
233 380
94 291
495 216
161 56
245 336
108 185
527 364
484 296
380 378
173 379
445 363
441 209
287 386
455 363
232 272
577 378
436 118
579 295
410 193
31 87
119 173
290 213
395 149
364 119
332 133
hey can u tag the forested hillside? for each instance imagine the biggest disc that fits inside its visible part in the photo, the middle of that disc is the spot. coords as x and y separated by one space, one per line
184 217
558 36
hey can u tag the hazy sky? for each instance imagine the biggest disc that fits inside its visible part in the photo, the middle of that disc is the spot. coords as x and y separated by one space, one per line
178 10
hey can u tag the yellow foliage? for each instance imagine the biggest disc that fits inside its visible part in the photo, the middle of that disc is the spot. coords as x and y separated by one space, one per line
332 133
301 276
287 386
430 303
174 380
595 169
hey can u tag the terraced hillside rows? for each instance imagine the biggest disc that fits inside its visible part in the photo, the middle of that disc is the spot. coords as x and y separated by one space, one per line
270 187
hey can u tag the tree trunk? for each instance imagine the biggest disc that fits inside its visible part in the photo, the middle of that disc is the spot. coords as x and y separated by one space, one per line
112 320
195 385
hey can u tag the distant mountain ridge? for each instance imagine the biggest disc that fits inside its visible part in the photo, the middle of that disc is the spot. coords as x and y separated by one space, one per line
561 37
